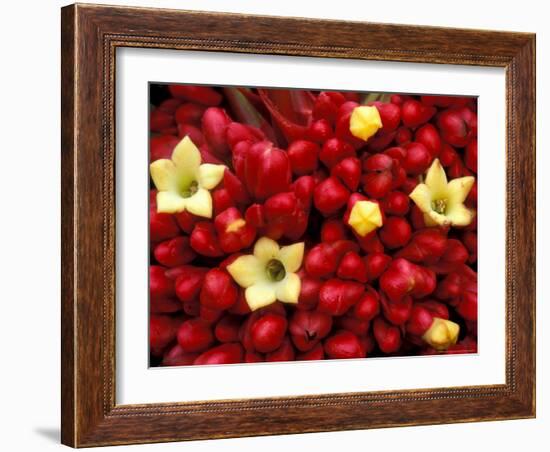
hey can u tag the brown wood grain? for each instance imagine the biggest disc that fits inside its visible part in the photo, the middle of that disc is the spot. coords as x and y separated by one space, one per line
90 36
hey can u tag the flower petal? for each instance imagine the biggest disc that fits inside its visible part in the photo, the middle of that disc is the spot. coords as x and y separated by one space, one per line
291 256
266 249
247 270
170 202
364 122
458 189
187 158
433 218
200 203
436 180
260 295
210 175
288 290
365 217
164 174
460 215
441 334
422 197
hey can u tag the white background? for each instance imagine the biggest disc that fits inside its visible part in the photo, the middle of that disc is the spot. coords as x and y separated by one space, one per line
138 384
29 119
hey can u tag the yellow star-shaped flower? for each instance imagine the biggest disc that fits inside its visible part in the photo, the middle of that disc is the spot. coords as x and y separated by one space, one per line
364 122
183 183
443 202
441 334
269 274
365 217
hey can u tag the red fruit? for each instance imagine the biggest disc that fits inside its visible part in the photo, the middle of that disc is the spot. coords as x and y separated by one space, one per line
307 328
403 278
448 155
309 291
214 124
233 231
192 132
323 259
227 329
189 283
467 306
203 95
267 332
420 320
231 353
164 305
266 170
334 150
326 105
343 345
284 353
417 160
177 357
205 241
333 230
174 252
320 131
160 120
317 353
303 189
469 239
235 187
162 331
429 137
160 286
169 105
387 336
352 266
241 306
161 147
221 200
454 257
470 155
368 307
376 264
396 311
457 126
337 296
436 308
186 221
253 357
189 113
161 226
395 203
414 113
390 114
330 196
395 232
192 307
403 136
209 315
237 132
426 246
348 171
379 174
218 291
350 323
195 335
303 156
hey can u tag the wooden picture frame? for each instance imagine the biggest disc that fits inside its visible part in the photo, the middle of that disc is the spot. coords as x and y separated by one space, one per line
90 36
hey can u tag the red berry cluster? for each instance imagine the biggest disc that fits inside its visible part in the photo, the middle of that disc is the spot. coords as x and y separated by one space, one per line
294 171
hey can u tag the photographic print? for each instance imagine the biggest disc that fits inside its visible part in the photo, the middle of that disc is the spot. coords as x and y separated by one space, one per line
294 224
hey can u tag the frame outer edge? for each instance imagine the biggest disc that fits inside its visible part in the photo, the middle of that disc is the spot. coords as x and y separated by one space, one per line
68 242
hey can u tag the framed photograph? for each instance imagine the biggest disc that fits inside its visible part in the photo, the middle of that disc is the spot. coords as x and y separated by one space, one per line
282 225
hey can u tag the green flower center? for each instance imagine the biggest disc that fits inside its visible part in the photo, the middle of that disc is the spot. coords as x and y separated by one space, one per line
190 190
275 270
440 206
